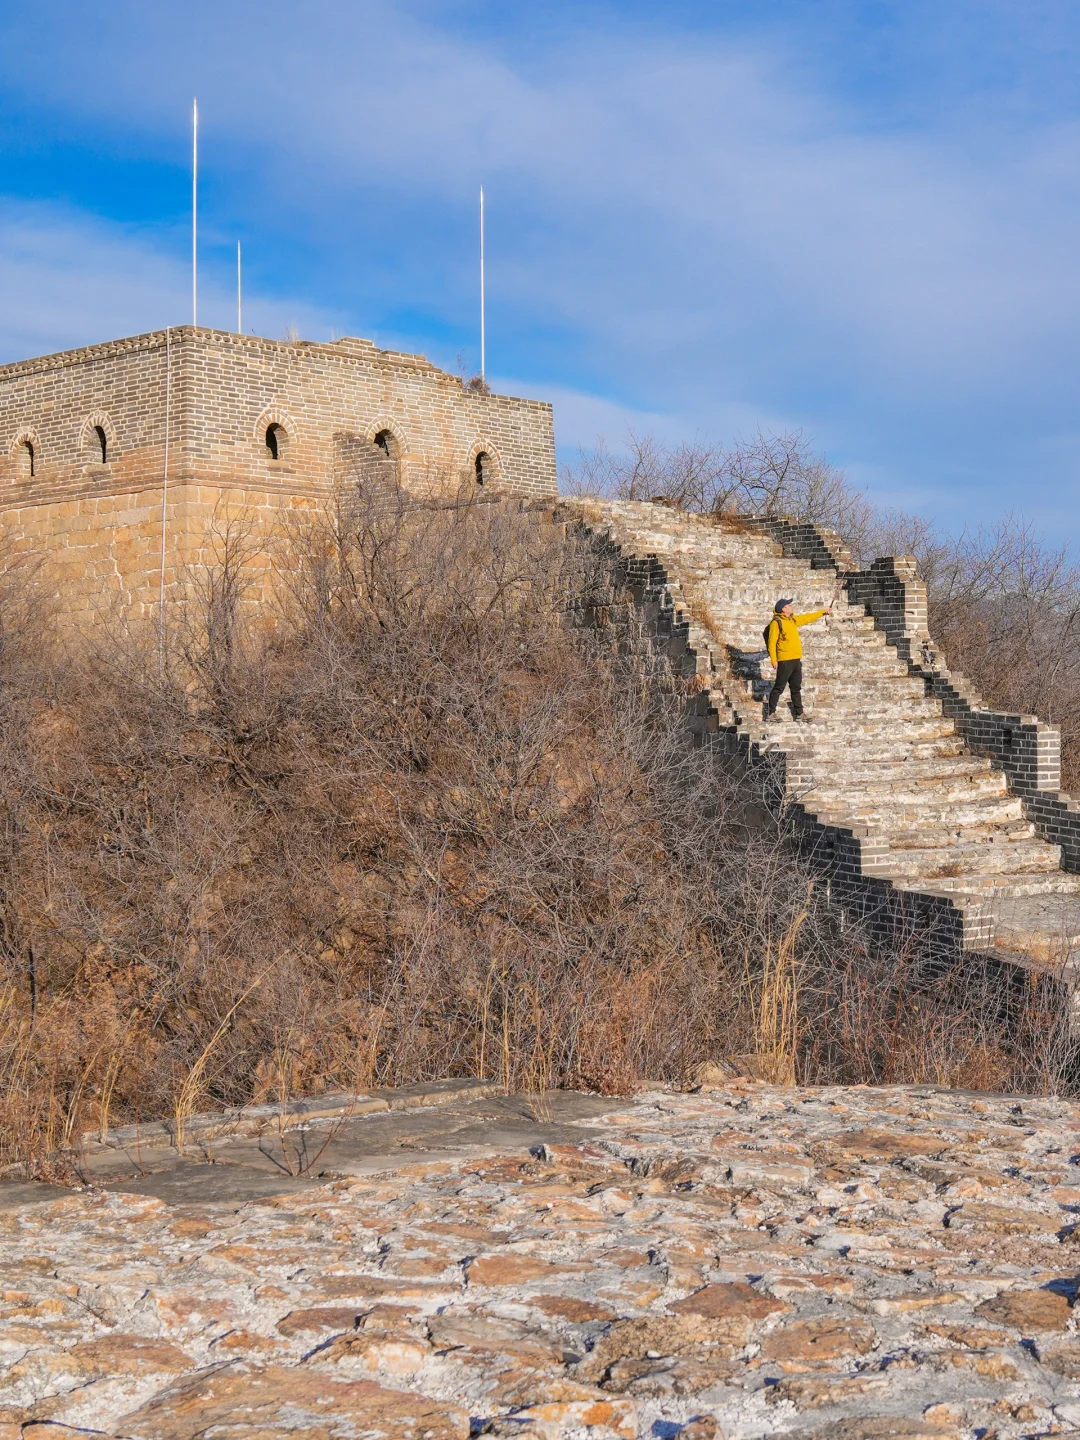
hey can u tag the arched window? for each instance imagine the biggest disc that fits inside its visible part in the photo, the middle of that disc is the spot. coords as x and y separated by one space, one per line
482 467
97 434
24 460
277 441
386 440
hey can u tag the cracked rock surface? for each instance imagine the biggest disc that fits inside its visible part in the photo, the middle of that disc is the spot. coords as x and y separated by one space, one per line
742 1262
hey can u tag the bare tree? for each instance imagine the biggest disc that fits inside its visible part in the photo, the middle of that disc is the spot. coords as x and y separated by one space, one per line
766 475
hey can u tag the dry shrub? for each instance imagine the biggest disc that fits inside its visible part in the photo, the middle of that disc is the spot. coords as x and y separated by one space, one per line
896 1017
426 822
769 474
1005 608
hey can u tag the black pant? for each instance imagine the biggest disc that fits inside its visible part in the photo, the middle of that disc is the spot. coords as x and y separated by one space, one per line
788 672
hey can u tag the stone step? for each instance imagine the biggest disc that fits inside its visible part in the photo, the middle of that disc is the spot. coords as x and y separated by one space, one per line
848 658
816 763
922 765
887 745
934 834
745 609
951 819
889 685
891 680
848 731
731 586
954 764
990 886
837 710
954 817
1019 857
952 781
841 709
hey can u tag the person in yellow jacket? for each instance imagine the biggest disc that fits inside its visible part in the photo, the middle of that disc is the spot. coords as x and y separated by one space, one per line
785 652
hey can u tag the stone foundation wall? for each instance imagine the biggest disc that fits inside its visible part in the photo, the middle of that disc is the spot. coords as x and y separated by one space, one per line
100 557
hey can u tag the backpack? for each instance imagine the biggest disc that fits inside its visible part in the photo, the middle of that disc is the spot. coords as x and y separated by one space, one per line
768 627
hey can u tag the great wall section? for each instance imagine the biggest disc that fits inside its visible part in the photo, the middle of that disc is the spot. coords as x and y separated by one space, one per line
925 811
727 1259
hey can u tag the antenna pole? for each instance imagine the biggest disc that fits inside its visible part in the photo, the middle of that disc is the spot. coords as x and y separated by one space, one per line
483 356
239 295
194 213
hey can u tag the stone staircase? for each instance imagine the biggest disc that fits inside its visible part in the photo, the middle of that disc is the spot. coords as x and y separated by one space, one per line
892 801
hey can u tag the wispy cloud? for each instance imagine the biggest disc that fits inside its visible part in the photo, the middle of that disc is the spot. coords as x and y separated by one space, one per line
70 279
682 189
704 224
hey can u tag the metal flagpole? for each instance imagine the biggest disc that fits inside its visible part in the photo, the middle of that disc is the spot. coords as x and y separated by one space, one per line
483 357
194 213
239 305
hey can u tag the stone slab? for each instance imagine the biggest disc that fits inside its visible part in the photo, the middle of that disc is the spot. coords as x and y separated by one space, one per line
15 1194
189 1183
744 1260
511 1123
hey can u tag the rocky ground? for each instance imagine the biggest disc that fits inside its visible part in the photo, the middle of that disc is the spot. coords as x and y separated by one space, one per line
744 1262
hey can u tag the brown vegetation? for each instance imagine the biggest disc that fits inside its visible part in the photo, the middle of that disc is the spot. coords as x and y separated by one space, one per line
439 817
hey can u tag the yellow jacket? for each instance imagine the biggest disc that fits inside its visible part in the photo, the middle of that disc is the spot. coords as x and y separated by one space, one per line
784 640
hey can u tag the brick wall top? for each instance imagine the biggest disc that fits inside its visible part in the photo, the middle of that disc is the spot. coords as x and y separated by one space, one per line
63 359
361 353
222 390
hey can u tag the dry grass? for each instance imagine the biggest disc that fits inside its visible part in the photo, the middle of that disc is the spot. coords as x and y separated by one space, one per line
429 822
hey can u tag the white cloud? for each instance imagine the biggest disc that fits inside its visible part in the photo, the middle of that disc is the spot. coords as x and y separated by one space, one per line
68 279
681 192
697 223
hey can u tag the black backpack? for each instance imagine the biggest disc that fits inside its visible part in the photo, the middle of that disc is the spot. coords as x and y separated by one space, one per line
768 627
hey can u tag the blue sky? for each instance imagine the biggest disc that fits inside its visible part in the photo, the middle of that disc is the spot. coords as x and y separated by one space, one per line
858 218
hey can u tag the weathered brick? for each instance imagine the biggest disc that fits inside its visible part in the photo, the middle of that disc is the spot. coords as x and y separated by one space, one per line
224 391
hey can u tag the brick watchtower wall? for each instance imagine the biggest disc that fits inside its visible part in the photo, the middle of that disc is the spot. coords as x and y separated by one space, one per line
83 447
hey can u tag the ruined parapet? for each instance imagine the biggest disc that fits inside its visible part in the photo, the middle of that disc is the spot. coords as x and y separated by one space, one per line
822 548
895 596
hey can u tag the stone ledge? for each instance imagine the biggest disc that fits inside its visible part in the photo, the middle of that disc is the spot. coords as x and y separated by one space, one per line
256 1119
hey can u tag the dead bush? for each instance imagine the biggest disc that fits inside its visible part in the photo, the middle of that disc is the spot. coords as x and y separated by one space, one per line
433 820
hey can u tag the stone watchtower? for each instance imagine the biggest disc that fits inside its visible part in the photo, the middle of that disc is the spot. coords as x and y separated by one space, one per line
114 456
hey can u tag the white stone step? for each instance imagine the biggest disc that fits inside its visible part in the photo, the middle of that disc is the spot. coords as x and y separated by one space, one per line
1003 855
880 752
